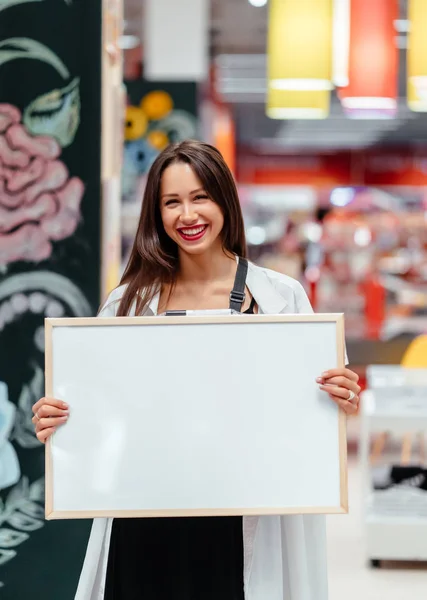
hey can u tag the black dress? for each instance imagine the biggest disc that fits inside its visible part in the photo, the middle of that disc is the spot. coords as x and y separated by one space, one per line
192 558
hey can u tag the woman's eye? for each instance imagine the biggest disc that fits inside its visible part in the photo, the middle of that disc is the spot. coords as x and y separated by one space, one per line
201 197
171 202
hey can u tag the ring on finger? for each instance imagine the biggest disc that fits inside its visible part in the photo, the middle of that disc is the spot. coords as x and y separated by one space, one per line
352 396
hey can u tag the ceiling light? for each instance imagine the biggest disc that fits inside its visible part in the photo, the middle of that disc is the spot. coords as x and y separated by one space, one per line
312 232
342 196
373 58
256 236
283 114
258 2
301 85
373 102
362 236
416 57
299 60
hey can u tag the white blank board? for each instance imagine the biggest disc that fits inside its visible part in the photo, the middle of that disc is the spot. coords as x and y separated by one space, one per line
180 416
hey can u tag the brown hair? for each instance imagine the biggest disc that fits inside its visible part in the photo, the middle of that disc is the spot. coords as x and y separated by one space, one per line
153 259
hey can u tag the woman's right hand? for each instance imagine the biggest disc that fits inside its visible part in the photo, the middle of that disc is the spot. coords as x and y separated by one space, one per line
49 414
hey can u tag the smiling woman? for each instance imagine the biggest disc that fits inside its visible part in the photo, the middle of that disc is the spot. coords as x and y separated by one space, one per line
189 254
189 215
182 226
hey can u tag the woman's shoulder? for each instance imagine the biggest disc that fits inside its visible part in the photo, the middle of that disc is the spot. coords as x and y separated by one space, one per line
110 306
276 277
290 289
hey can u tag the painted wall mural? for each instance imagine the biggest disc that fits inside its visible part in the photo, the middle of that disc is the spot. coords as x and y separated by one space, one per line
157 114
39 202
50 102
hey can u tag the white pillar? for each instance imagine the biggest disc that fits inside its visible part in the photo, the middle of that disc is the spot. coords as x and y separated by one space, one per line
176 40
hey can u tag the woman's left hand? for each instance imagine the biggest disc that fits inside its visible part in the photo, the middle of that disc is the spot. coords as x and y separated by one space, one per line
342 387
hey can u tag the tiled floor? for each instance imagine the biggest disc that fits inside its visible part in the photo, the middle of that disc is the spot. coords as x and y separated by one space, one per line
349 577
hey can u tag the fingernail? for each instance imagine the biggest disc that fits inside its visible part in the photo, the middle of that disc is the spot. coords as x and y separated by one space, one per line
64 404
325 374
319 380
63 418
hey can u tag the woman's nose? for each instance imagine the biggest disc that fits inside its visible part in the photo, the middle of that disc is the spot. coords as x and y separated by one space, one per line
189 215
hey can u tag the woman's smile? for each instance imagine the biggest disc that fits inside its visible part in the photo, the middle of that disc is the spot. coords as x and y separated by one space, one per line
192 234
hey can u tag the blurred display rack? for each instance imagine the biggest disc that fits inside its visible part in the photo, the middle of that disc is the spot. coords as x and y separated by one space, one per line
394 519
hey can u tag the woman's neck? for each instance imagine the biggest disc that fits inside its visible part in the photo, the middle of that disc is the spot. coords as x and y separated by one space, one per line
207 267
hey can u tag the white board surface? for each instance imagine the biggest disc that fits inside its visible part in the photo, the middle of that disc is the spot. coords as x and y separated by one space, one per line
195 416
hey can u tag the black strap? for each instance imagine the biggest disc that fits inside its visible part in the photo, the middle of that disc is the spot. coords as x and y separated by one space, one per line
251 308
238 294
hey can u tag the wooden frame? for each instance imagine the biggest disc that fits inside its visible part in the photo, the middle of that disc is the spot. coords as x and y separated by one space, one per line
338 319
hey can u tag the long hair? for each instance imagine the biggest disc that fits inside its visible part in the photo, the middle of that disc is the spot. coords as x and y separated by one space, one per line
153 260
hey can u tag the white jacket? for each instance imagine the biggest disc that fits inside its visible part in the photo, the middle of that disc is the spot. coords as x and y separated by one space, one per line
284 557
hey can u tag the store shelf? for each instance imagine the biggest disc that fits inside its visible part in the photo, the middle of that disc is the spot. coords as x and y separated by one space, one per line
395 519
399 410
396 539
400 503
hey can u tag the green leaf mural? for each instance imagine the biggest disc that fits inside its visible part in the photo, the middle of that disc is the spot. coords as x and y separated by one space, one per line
7 3
56 113
15 48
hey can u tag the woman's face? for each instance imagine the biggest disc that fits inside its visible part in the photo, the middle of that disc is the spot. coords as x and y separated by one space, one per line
190 217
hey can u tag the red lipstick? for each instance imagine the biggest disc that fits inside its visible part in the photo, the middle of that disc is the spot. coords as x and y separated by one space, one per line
192 234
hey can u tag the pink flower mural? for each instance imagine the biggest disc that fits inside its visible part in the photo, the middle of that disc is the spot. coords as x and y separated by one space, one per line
50 241
39 201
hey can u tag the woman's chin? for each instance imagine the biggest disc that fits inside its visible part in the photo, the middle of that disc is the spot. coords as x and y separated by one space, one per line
194 249
199 247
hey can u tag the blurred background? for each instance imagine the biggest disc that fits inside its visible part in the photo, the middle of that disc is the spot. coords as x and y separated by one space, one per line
320 109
